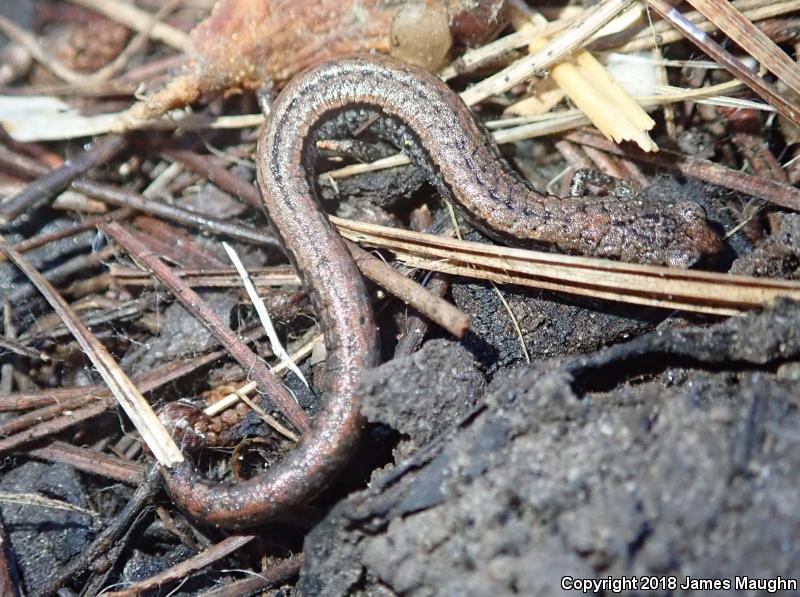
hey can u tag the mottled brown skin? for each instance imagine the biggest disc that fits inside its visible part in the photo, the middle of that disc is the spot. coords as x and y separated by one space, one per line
425 118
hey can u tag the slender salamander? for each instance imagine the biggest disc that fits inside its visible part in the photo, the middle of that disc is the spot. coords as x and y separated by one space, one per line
421 115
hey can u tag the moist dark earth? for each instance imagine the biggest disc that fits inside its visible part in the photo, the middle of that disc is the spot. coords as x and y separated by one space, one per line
675 454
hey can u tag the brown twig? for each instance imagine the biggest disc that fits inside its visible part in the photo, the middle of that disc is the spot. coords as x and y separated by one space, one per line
7 369
209 556
9 577
120 198
222 177
152 380
47 428
416 325
275 574
39 415
423 300
91 461
40 240
69 268
46 187
20 349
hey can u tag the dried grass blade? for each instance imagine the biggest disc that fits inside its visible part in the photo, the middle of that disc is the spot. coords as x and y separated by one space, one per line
754 41
726 59
691 290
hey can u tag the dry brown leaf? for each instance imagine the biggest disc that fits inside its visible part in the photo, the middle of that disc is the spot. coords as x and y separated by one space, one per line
246 42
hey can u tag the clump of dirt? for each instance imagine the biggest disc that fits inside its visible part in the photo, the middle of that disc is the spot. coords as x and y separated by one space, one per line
673 454
421 395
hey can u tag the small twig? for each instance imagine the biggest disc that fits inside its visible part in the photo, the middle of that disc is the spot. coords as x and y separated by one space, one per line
9 574
514 322
416 325
46 187
120 198
573 155
200 309
423 300
603 162
276 574
161 375
91 223
222 177
183 569
71 76
756 152
91 461
175 245
21 349
37 416
7 369
48 428
69 268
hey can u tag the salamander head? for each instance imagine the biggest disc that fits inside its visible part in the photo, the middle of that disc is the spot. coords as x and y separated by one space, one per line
694 237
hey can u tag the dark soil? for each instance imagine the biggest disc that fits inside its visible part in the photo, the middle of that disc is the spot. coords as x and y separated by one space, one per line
675 454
